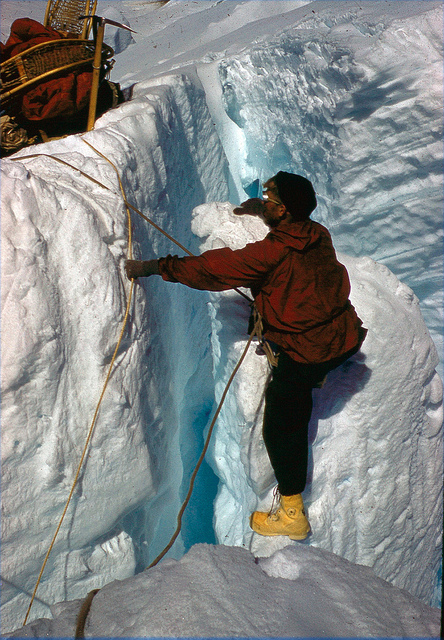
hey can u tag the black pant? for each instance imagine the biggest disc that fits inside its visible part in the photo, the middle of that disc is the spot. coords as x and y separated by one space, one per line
288 407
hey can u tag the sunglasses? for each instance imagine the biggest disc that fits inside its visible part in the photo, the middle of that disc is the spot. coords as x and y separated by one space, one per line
268 199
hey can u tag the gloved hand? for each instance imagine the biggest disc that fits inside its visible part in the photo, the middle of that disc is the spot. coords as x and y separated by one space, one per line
141 268
252 207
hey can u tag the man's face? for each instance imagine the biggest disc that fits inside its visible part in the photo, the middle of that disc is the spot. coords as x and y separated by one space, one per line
274 211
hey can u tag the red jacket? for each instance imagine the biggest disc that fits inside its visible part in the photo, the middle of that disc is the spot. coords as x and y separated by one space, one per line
300 288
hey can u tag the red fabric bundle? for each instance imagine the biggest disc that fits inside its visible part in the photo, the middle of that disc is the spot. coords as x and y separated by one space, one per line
60 97
26 33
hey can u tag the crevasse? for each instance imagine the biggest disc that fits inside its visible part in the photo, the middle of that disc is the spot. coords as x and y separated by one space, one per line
376 431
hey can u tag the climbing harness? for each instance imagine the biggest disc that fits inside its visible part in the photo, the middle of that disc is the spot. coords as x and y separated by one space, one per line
258 323
257 331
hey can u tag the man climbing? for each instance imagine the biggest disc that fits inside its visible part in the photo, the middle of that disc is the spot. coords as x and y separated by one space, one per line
301 293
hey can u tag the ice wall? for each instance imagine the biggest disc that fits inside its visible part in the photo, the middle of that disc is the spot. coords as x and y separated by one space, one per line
373 495
352 97
64 294
64 241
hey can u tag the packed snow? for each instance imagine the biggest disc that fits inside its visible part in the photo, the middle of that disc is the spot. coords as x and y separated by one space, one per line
223 591
228 92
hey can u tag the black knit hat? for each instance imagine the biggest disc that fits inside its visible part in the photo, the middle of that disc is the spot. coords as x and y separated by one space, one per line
297 194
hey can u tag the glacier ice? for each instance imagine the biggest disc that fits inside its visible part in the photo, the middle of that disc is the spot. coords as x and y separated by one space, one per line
374 415
372 137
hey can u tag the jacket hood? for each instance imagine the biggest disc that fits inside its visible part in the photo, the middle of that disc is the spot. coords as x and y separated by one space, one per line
298 235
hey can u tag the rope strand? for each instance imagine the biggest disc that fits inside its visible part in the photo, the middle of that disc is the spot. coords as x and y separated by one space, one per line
255 331
88 439
128 204
202 455
93 423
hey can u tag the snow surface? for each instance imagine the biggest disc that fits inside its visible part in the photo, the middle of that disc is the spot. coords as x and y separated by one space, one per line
221 591
347 93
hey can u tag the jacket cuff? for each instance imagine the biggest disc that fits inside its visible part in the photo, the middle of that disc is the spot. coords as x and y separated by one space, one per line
150 268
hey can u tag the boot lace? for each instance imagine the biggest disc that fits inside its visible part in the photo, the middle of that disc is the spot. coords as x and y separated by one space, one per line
275 505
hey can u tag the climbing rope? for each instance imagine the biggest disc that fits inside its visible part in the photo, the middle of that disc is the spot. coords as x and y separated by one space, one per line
204 450
100 184
83 614
256 331
93 423
127 204
87 602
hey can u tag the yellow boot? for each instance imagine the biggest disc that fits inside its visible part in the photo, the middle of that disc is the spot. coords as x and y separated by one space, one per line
288 520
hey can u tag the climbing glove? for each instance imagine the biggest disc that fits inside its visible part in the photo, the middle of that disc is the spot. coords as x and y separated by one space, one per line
141 268
252 207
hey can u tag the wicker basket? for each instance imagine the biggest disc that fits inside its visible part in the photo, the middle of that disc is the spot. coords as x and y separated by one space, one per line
44 60
63 16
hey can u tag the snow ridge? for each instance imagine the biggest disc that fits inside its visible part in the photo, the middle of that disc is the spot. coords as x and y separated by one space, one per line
208 593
